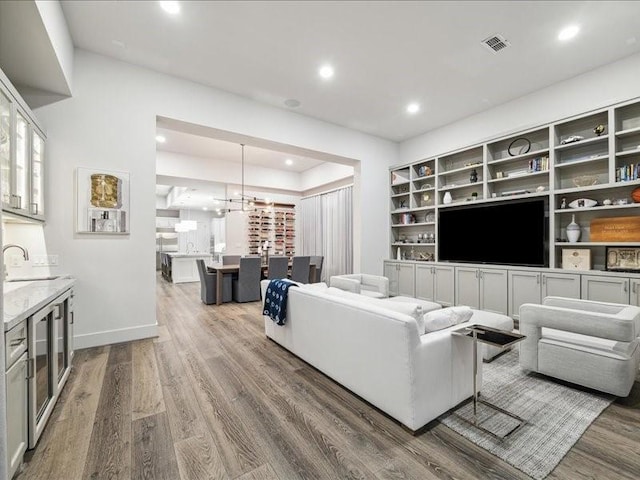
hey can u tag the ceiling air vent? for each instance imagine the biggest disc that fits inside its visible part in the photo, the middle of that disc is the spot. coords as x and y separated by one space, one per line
495 43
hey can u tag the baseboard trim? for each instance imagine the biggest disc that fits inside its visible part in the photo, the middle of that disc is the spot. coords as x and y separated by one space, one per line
108 337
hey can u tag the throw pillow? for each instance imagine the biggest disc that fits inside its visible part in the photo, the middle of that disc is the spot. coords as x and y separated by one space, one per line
446 317
461 313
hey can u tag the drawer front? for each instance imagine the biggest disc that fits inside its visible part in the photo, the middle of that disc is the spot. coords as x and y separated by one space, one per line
15 343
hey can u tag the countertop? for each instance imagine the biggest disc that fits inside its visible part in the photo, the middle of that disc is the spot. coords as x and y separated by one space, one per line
24 300
188 255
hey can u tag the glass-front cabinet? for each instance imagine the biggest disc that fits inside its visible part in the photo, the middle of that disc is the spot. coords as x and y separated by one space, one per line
6 136
22 148
36 206
21 166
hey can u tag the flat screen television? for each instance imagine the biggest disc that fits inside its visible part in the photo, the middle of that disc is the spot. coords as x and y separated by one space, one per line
507 233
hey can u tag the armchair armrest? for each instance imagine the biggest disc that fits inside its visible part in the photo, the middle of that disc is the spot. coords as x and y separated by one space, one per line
377 282
621 327
348 284
588 305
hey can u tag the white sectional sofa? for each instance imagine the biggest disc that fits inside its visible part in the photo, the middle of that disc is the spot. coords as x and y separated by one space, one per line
365 284
376 351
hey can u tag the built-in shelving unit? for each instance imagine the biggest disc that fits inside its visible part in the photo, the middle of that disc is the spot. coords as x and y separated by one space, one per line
595 155
275 224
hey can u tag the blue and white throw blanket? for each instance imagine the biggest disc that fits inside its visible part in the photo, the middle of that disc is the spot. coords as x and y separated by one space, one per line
275 301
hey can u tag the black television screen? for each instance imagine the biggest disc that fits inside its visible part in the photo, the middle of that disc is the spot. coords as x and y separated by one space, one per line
507 233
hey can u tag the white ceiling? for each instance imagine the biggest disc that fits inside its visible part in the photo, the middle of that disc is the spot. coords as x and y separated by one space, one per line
200 146
386 53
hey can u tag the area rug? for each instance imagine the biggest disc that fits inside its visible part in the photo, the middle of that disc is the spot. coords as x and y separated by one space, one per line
556 416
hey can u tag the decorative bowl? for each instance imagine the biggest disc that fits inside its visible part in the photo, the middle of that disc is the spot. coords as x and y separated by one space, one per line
583 203
585 180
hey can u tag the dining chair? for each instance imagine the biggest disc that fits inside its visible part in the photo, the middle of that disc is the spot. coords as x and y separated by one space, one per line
317 260
246 288
231 259
300 267
278 267
208 285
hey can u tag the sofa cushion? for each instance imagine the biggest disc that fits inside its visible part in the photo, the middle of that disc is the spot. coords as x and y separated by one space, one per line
371 293
446 317
412 309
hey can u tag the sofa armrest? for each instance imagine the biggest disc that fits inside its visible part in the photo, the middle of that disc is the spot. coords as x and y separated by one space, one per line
379 283
348 284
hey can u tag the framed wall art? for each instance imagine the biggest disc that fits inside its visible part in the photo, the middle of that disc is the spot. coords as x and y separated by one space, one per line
102 199
623 259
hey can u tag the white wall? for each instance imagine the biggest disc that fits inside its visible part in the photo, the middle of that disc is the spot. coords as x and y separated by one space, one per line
176 165
596 89
56 26
110 122
161 202
324 174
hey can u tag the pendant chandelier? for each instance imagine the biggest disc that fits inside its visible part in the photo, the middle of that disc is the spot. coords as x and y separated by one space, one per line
246 203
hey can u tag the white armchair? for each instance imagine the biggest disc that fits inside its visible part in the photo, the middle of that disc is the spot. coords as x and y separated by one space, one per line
593 344
362 283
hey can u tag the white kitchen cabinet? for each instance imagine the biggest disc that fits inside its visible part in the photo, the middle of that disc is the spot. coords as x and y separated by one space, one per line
401 278
532 286
50 351
22 151
605 289
36 203
16 393
435 283
635 292
483 289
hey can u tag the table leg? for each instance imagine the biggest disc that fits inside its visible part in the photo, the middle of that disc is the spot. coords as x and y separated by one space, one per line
475 374
219 277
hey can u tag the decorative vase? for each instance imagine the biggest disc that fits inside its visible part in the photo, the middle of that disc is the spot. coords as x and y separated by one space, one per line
398 254
447 198
573 230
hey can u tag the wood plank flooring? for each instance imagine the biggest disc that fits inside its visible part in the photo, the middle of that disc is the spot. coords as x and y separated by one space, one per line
212 398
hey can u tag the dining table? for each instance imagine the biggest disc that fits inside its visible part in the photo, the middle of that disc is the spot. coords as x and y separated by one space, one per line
220 270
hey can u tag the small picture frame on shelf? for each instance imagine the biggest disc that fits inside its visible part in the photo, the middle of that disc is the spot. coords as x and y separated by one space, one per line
623 259
576 259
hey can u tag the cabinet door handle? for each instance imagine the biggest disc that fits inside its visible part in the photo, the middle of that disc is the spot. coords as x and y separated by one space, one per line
477 276
624 287
31 367
16 342
544 279
72 318
538 279
634 287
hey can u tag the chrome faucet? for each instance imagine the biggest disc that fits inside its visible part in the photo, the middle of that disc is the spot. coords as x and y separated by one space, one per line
25 254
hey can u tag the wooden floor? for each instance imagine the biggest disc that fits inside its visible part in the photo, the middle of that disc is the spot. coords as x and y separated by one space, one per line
211 397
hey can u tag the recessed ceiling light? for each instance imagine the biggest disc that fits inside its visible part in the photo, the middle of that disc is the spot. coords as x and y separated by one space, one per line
326 71
161 138
236 193
170 7
204 208
568 33
413 108
288 161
